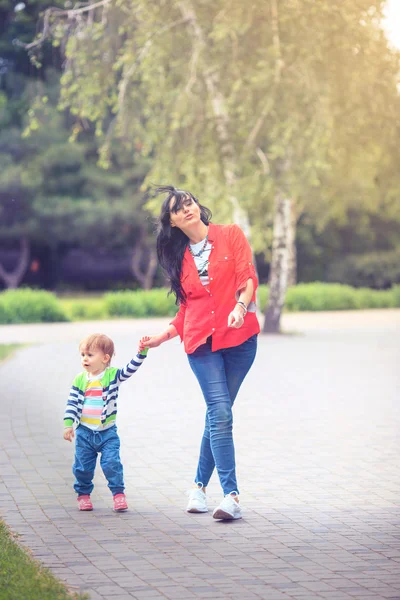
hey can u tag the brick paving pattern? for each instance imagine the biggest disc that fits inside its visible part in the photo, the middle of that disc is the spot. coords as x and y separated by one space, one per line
317 426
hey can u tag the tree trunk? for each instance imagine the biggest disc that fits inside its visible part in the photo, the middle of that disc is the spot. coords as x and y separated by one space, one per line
279 264
12 279
145 275
292 250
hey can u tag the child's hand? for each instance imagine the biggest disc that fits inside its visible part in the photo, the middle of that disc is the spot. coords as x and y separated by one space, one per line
69 434
143 343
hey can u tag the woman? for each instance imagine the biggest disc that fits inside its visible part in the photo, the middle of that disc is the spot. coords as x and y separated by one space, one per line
212 276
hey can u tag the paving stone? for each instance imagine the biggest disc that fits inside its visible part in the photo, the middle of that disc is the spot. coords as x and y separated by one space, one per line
317 446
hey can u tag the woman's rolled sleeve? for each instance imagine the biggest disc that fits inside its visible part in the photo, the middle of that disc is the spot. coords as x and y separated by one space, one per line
179 320
243 258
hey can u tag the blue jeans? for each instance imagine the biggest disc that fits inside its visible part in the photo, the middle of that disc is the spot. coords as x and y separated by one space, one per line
88 445
220 375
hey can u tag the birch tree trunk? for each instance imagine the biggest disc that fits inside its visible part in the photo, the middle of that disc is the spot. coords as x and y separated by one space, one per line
279 264
292 250
13 278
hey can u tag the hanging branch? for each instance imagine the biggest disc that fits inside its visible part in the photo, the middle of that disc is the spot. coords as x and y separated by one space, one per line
70 14
145 48
279 64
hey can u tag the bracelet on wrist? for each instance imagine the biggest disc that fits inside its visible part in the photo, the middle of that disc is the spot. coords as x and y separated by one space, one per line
242 305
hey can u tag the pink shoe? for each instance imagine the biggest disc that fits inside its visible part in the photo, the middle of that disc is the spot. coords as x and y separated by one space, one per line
84 502
120 503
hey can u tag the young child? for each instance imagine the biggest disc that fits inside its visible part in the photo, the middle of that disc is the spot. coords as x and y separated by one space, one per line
92 408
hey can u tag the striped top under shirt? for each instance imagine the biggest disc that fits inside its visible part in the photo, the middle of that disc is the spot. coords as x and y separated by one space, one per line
93 404
201 262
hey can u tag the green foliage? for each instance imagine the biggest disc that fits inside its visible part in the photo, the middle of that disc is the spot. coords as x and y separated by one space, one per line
152 303
307 94
5 316
23 577
262 297
379 270
84 308
30 306
367 298
396 296
324 296
302 297
52 192
319 296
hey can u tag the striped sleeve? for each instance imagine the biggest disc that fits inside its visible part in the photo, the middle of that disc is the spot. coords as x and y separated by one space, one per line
71 410
131 368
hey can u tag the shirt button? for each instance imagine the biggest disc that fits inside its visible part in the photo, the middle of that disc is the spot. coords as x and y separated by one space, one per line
213 328
212 312
211 278
210 295
226 258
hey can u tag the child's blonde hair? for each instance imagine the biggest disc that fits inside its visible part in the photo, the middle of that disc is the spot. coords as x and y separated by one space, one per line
98 341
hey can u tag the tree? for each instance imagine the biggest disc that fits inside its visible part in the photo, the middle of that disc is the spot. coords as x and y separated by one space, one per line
254 104
52 193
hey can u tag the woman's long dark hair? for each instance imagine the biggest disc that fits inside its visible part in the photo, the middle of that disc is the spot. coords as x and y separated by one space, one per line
171 241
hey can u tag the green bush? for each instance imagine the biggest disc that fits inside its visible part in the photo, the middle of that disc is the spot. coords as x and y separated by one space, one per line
34 306
262 297
84 307
30 306
396 296
4 314
151 303
83 310
367 298
319 296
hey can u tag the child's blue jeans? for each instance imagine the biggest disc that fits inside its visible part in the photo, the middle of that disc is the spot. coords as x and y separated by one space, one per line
88 445
220 375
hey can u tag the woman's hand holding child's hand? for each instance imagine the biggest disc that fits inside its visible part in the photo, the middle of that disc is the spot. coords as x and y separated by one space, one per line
69 433
143 343
149 342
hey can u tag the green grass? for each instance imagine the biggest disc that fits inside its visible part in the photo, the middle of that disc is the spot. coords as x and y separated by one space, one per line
6 350
23 578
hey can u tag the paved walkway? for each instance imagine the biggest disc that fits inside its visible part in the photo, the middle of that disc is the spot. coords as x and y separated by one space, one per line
317 428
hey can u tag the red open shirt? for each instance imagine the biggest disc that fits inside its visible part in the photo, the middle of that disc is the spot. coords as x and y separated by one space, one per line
207 308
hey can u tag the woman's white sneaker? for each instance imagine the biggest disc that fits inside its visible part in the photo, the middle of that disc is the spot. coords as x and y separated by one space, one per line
228 509
197 501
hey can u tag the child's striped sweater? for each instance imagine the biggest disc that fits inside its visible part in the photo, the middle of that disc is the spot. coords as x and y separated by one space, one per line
110 382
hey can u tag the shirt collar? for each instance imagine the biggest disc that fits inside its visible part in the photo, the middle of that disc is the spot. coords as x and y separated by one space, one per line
95 377
211 232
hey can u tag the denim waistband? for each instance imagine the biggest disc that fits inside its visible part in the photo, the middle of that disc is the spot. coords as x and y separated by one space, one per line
94 430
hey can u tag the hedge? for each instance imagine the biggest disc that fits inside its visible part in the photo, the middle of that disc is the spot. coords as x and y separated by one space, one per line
34 306
151 303
30 306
